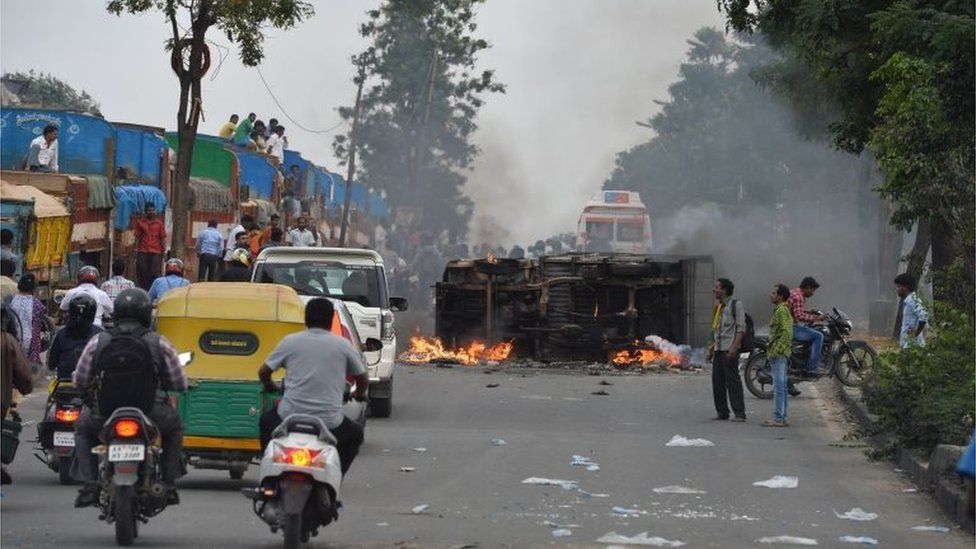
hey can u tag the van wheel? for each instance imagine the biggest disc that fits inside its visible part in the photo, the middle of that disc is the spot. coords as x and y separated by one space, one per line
381 407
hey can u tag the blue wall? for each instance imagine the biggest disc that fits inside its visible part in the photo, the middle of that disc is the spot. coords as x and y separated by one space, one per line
140 151
81 138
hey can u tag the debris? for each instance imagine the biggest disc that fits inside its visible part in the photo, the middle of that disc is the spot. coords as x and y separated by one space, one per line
420 509
382 524
627 512
561 532
564 484
639 539
604 382
601 392
787 540
420 450
463 546
743 517
551 524
585 462
942 529
586 494
778 481
498 442
677 490
492 385
856 514
863 540
910 490
678 440
407 469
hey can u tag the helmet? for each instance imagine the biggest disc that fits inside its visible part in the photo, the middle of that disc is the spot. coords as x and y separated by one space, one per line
241 256
133 304
174 266
82 307
89 274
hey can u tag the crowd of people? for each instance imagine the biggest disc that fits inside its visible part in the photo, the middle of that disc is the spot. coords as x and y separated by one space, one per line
253 134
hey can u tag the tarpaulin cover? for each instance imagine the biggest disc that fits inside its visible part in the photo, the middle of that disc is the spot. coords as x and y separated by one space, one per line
359 196
100 193
208 195
132 199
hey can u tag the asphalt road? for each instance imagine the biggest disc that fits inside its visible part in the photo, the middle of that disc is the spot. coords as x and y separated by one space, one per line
474 488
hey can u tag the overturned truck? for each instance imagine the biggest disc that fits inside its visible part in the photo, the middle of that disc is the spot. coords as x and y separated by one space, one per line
575 306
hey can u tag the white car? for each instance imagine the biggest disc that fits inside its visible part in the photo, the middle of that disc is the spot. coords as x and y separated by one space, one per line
357 277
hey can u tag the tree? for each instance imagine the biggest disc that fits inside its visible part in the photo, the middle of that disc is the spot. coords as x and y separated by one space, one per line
418 108
244 23
49 92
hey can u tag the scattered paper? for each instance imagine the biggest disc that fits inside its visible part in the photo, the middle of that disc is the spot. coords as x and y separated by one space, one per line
583 461
943 529
910 490
677 490
564 484
586 494
639 539
407 469
863 540
551 524
678 440
561 532
382 524
420 509
420 450
498 442
743 517
778 481
787 540
627 512
856 514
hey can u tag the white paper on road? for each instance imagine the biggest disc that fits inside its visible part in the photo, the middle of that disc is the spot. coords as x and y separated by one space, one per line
498 442
420 509
564 484
407 469
561 532
677 490
856 514
583 461
778 481
586 494
627 512
639 539
787 540
943 529
863 540
420 450
552 524
678 440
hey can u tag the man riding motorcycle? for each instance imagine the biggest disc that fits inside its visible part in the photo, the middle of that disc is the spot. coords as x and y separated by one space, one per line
801 329
88 284
68 342
98 368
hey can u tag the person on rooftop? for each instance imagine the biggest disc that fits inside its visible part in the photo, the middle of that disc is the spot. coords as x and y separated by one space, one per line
227 130
242 134
42 156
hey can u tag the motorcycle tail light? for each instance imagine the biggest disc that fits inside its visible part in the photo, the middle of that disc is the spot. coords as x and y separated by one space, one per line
66 415
127 428
299 457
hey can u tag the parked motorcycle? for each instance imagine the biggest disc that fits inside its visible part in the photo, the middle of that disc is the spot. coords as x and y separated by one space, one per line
56 432
851 361
300 480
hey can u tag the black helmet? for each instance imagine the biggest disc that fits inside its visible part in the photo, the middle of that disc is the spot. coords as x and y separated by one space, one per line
133 304
82 307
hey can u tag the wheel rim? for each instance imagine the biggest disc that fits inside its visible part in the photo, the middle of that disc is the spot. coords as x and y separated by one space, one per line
856 364
755 376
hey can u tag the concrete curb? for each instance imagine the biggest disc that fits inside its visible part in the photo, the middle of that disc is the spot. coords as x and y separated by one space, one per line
934 476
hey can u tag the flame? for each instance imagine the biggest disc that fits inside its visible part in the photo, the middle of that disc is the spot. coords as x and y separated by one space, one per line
640 355
491 258
431 349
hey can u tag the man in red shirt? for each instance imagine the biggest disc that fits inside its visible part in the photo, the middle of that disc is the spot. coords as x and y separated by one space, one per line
150 244
801 320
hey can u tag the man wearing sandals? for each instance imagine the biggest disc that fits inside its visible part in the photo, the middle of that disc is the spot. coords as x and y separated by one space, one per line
778 353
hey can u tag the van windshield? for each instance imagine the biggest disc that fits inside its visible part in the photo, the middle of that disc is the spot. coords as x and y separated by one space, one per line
361 283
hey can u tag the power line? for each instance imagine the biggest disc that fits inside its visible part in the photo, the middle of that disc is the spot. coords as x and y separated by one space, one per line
284 112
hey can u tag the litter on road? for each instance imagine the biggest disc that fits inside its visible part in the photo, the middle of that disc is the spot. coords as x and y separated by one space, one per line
639 539
498 442
551 524
778 481
941 529
677 490
564 484
623 511
561 532
863 540
586 494
787 540
583 461
680 441
420 450
407 469
856 514
420 509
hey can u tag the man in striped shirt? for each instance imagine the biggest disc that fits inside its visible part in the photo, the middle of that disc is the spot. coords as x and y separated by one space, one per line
117 283
801 320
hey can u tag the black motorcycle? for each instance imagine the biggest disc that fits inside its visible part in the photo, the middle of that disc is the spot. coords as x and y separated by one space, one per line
851 361
56 432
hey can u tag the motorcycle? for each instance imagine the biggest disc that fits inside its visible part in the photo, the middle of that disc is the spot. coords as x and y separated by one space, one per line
56 432
851 361
300 480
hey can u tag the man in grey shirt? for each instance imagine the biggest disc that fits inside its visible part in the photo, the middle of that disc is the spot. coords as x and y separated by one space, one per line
316 362
728 328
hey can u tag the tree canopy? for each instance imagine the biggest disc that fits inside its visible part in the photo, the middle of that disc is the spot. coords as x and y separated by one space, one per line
50 92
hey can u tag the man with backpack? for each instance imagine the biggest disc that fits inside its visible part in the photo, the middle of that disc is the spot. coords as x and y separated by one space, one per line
114 365
729 329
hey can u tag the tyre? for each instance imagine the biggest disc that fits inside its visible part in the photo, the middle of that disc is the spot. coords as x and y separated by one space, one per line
381 407
855 363
292 528
758 376
125 515
64 471
237 474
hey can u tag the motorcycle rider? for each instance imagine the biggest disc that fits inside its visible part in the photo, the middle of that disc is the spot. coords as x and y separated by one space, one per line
133 312
801 320
14 371
316 362
69 341
173 278
88 283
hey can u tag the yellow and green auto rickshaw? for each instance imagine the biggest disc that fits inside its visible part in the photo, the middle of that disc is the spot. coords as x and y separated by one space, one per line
230 328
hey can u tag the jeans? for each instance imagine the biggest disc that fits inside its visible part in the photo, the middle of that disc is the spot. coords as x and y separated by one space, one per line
807 334
726 381
84 468
208 268
349 437
779 365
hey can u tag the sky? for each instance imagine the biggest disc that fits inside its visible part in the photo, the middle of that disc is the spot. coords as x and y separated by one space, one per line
578 73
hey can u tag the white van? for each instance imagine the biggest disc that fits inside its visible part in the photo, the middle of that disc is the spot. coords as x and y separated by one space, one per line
355 276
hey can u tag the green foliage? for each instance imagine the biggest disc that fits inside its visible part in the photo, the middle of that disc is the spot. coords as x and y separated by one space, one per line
419 104
53 93
924 395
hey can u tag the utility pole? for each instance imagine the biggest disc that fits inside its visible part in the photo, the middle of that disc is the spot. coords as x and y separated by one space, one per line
420 147
351 173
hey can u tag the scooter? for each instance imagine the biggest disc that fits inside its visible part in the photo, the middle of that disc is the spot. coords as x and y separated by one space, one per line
56 432
300 480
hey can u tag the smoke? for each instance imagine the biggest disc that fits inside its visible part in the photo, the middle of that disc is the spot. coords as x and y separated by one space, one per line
688 354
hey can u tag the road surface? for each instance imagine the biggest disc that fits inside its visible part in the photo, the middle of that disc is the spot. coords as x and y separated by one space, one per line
474 488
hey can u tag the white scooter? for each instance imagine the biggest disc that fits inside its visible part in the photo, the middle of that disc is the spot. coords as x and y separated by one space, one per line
300 479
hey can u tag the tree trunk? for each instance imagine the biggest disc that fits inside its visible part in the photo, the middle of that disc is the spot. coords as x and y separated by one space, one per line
347 199
920 250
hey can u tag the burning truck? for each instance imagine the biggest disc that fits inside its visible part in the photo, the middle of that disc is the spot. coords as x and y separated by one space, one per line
570 307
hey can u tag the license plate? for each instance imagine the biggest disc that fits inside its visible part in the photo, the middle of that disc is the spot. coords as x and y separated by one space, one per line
126 452
64 438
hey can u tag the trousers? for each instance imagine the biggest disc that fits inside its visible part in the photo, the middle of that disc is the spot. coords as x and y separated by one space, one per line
727 386
148 267
349 436
781 397
208 268
815 339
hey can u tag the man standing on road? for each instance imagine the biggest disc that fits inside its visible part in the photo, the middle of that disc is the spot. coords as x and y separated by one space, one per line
150 232
300 235
778 352
802 332
316 362
210 246
913 314
728 329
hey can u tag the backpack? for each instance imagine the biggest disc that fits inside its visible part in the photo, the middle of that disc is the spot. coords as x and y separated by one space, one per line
749 337
125 378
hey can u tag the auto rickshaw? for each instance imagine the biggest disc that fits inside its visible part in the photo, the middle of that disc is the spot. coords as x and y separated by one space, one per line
230 329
